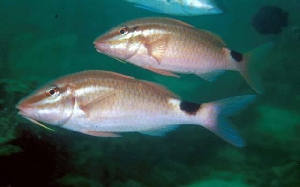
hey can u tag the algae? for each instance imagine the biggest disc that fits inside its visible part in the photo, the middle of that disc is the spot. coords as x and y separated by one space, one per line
11 91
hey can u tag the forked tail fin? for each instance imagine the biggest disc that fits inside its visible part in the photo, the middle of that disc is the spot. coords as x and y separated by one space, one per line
215 117
248 66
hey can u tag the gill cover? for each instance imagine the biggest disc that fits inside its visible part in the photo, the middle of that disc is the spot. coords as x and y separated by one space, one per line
121 42
51 104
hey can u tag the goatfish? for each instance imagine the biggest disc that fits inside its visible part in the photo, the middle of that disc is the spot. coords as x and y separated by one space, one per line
179 7
168 46
102 103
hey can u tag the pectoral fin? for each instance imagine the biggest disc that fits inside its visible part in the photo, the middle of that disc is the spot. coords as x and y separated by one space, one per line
157 48
162 72
90 109
100 134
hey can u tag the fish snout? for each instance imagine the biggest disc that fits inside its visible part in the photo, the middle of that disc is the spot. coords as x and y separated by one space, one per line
42 113
101 46
24 109
111 48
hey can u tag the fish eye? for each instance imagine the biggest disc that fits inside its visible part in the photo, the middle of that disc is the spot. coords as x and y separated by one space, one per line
53 91
123 30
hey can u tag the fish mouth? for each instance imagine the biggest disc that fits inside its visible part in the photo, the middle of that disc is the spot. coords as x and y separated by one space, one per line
22 110
99 46
26 116
23 114
102 46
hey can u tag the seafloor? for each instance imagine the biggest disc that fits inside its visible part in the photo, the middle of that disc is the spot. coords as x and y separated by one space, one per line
40 40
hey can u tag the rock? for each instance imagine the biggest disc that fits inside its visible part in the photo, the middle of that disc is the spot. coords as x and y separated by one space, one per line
78 181
219 183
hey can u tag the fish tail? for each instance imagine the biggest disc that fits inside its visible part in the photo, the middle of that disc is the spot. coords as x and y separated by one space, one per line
248 66
215 117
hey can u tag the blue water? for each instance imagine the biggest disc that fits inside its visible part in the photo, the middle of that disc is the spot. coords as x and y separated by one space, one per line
41 40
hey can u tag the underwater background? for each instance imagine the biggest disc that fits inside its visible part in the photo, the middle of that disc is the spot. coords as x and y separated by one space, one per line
42 40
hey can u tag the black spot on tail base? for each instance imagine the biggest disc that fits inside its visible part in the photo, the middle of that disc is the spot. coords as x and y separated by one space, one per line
189 107
236 56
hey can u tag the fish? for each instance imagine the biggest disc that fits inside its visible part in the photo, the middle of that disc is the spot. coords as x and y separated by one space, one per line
168 46
106 104
179 7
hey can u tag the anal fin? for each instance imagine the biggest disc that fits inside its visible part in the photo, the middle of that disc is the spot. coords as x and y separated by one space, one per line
100 134
162 131
162 72
211 76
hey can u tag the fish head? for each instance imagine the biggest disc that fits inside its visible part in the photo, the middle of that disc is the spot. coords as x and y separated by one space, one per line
52 104
121 42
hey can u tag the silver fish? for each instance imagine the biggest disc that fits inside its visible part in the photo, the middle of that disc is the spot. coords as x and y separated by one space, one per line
167 46
179 7
102 103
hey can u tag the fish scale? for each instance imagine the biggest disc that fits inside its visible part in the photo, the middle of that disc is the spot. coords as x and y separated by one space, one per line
168 46
187 45
137 91
101 103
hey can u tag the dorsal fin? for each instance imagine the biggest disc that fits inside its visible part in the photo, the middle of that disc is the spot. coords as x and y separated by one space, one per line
165 20
118 75
214 37
161 89
180 22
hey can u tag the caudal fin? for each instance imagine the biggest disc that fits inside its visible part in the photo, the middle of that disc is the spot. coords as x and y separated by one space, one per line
216 117
248 67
